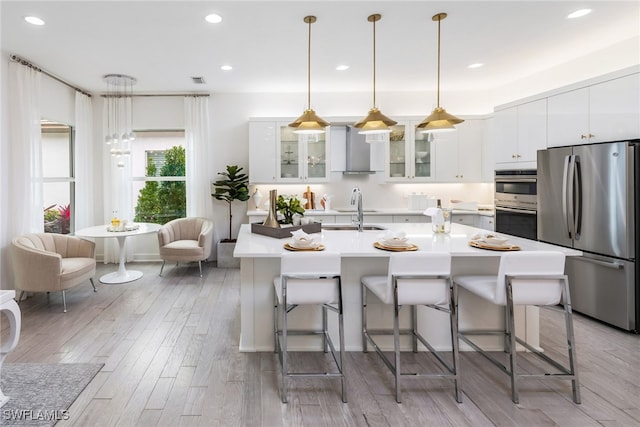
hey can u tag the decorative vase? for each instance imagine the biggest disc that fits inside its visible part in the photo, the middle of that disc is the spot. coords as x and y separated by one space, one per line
272 215
257 198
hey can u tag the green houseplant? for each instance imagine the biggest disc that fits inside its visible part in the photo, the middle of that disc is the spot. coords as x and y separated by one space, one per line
288 206
234 186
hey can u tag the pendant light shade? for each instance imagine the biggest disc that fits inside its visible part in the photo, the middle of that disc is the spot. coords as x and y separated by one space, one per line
309 123
439 120
375 125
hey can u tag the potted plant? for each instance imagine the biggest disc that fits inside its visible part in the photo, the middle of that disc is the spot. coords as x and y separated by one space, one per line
233 186
288 207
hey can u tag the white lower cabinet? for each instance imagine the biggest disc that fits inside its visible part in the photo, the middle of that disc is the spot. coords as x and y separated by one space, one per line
465 219
410 218
486 222
479 221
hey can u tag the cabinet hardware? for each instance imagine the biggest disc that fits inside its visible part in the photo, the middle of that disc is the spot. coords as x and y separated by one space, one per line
583 136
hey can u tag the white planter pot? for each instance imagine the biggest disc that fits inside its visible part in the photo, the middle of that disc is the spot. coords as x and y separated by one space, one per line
225 255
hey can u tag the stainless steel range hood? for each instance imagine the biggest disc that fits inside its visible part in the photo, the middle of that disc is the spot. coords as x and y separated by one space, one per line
358 153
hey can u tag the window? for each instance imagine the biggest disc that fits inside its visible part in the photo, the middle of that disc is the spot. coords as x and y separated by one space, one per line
58 179
158 170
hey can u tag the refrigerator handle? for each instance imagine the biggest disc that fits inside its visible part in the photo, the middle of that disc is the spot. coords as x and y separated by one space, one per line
577 219
613 265
567 193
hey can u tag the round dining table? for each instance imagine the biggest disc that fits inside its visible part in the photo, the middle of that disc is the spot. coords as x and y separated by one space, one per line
122 275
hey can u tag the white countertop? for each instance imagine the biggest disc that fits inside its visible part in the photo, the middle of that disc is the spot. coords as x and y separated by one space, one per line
360 244
374 211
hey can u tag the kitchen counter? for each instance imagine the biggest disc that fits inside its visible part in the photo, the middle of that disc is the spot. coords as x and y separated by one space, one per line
374 211
260 263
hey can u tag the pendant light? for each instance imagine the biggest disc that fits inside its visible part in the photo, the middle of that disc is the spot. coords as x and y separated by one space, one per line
309 125
376 125
439 120
118 101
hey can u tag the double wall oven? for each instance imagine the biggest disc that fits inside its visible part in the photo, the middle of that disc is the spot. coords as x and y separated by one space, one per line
516 202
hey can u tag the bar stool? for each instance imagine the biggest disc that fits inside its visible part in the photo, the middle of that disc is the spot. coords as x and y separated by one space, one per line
526 278
308 278
414 278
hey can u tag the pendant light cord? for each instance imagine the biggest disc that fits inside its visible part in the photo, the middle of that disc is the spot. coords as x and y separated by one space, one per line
374 63
438 92
309 67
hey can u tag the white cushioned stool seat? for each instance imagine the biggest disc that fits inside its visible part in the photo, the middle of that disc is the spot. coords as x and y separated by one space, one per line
413 278
525 278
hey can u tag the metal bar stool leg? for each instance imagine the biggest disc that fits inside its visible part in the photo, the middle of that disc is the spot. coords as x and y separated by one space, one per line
414 331
364 317
510 324
325 329
396 341
284 350
455 357
573 360
342 349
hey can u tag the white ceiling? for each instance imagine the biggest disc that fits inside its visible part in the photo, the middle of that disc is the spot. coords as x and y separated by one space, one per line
164 43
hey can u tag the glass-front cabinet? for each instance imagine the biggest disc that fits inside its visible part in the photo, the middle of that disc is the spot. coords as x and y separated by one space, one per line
409 154
276 154
300 158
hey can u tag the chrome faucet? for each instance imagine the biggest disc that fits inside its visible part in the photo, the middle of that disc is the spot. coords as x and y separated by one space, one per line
356 198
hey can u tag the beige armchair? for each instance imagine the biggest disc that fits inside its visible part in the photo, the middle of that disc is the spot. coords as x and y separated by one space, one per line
186 240
48 262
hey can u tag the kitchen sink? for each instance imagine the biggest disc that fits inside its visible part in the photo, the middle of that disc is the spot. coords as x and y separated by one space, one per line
351 227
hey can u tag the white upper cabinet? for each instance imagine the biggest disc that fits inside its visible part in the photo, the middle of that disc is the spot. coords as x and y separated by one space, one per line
520 131
276 154
488 150
602 112
459 153
262 152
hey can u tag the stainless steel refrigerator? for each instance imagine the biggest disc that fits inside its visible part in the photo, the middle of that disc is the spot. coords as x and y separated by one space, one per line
588 200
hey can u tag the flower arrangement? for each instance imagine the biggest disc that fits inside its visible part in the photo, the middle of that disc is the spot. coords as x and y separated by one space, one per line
57 219
288 206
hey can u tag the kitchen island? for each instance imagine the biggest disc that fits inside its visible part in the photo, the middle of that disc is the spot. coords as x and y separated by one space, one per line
260 263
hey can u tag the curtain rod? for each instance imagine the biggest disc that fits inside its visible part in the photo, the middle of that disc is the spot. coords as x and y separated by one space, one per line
22 61
135 95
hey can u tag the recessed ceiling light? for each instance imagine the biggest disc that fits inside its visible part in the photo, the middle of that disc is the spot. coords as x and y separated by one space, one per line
34 20
214 18
226 68
342 67
476 65
579 13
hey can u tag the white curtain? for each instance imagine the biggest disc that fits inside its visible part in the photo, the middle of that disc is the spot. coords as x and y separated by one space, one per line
26 199
196 111
117 181
83 165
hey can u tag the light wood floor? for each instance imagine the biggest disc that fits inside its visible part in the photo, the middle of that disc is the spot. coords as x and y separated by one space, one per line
170 349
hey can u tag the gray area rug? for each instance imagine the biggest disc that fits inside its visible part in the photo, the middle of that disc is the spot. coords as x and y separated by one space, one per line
41 393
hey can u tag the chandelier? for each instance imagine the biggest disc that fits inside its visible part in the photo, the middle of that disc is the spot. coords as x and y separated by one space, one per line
119 131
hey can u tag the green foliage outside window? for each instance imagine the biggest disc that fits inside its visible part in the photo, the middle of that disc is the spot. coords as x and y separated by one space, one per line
161 202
